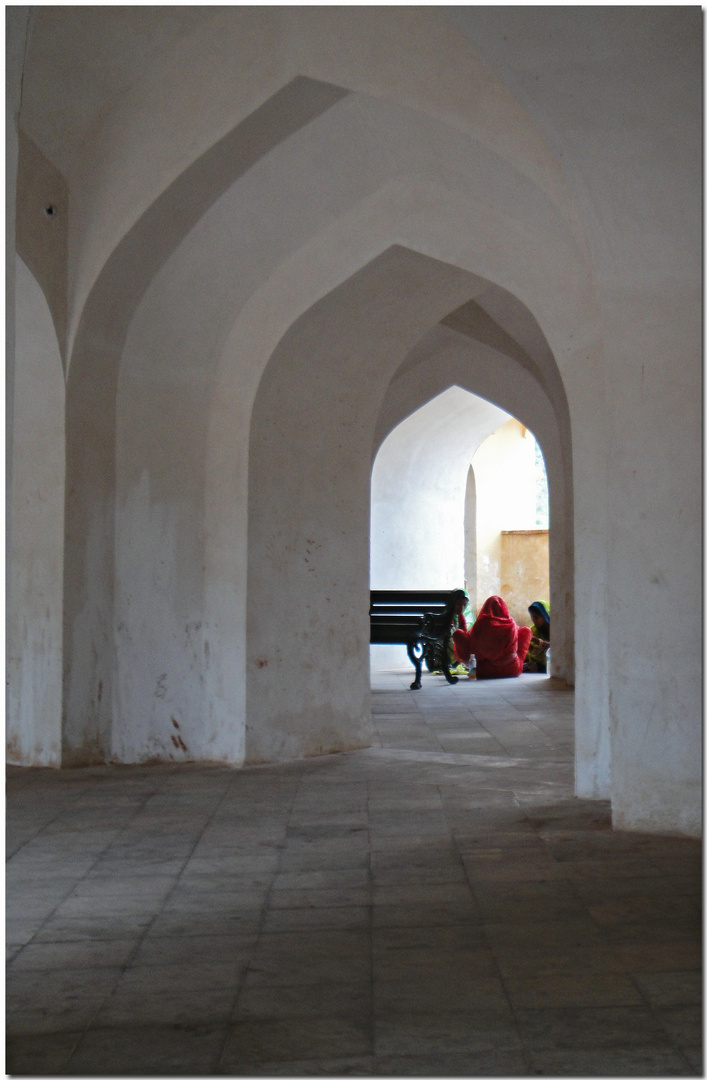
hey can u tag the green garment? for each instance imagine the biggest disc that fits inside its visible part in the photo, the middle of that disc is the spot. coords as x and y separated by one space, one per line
468 616
537 655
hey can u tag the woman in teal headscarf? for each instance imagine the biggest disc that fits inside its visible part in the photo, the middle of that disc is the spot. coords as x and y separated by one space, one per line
536 660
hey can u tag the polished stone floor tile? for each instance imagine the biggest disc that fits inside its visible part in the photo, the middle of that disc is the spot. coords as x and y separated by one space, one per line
678 955
426 940
180 1005
613 1062
652 932
424 895
495 868
401 876
694 1057
289 969
103 906
19 931
39 1054
343 999
473 1063
190 972
119 863
436 905
196 949
347 847
420 1033
430 915
598 873
613 910
590 1028
149 1050
199 899
665 988
322 879
255 1042
684 1024
314 945
551 933
59 956
304 919
653 887
53 1001
190 923
514 840
572 991
298 861
325 898
534 961
422 854
121 886
93 927
361 1065
452 991
418 964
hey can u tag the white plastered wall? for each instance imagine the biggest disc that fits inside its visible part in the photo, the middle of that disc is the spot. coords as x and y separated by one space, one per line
34 658
235 59
631 147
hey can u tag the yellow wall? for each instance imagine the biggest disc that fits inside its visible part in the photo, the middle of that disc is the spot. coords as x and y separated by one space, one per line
504 474
525 570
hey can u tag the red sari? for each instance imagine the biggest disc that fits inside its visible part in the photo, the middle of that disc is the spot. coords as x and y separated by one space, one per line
496 640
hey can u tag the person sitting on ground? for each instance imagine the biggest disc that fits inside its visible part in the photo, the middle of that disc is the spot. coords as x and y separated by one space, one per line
536 660
462 618
461 611
496 640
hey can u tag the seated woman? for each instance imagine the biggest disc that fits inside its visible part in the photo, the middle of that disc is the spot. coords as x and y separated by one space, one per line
496 640
462 619
536 660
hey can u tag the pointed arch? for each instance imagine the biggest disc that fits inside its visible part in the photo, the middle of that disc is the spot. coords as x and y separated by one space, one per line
309 694
487 224
89 570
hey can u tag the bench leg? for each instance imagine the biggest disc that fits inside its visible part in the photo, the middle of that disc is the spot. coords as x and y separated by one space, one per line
417 661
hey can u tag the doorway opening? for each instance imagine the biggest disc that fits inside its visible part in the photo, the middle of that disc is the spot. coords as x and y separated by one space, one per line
459 499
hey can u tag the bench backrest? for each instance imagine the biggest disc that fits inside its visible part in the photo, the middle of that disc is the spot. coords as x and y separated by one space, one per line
396 614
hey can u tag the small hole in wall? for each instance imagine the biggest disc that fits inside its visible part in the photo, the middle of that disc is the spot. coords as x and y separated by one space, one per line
50 210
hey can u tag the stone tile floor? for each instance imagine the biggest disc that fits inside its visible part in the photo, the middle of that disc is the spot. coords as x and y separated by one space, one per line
437 905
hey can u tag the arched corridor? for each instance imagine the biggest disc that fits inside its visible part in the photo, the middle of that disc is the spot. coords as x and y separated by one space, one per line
244 244
265 267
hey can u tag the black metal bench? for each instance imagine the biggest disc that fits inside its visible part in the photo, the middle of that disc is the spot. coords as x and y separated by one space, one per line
420 620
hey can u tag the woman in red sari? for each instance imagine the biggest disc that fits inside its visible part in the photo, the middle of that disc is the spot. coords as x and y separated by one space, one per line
496 640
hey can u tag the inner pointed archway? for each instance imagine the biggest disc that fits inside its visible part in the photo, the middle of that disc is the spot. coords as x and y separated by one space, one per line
377 347
418 488
427 531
